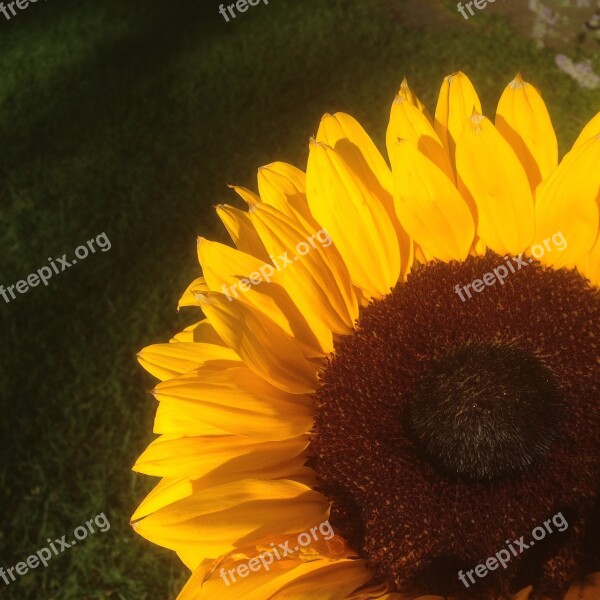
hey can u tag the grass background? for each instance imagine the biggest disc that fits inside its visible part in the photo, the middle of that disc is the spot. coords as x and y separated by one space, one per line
129 118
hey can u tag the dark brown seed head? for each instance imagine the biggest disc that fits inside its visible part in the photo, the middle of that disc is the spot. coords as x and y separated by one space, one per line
445 428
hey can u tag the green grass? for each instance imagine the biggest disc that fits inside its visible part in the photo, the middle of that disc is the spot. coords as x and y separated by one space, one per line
130 118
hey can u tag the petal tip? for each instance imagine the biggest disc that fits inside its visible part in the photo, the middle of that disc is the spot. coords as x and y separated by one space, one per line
517 83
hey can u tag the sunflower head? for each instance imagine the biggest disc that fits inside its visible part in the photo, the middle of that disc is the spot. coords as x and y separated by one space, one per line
394 391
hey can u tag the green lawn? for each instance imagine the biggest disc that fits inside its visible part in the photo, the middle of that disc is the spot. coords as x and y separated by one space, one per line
129 118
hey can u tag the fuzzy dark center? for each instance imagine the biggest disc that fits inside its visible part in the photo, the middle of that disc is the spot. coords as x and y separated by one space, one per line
484 412
447 426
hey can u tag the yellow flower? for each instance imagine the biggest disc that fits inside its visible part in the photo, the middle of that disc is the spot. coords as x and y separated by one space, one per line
394 391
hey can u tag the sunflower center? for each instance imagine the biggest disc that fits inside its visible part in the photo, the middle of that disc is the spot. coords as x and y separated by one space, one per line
485 411
447 426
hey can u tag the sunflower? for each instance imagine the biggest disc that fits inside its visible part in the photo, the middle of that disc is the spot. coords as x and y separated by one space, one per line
403 360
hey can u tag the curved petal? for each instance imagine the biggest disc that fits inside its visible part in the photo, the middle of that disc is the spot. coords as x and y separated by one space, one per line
202 331
168 491
567 203
589 265
408 123
429 206
456 102
286 579
211 522
248 196
173 489
491 175
341 126
237 401
355 219
317 280
166 361
189 296
247 279
262 344
346 136
237 223
406 93
588 589
193 457
284 187
173 419
523 119
592 129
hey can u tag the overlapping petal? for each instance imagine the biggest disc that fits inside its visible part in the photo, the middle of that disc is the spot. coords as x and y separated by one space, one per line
407 122
456 102
568 202
523 119
347 137
211 522
355 219
238 401
490 174
429 205
318 279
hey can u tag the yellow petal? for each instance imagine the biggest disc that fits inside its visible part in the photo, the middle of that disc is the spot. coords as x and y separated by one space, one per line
491 176
317 280
567 203
406 93
589 265
408 123
351 142
339 127
198 456
334 580
173 489
396 596
479 247
429 206
421 255
455 106
588 589
223 266
248 279
173 419
286 579
355 219
291 573
523 119
238 401
284 187
246 195
167 491
262 344
212 521
237 223
166 361
189 296
523 594
592 129
202 331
